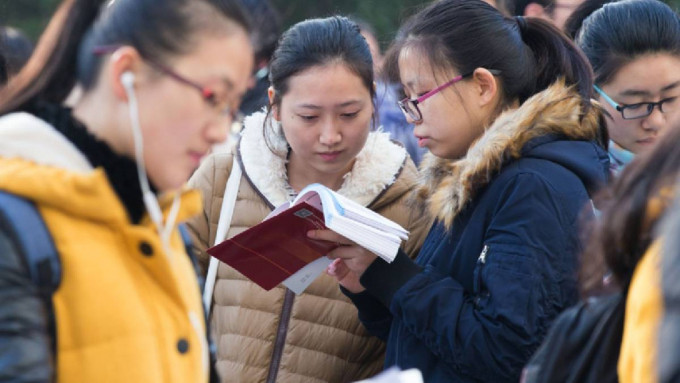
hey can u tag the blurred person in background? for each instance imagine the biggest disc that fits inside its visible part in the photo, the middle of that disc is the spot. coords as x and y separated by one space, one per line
626 242
266 22
575 21
17 49
555 11
668 351
634 49
390 117
161 81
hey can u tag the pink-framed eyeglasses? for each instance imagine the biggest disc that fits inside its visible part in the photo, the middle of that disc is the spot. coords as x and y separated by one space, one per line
410 105
207 93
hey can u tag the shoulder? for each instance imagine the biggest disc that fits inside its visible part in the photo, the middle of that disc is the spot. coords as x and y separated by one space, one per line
213 172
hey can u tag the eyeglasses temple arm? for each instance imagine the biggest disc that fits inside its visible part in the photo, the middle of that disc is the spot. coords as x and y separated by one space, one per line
607 98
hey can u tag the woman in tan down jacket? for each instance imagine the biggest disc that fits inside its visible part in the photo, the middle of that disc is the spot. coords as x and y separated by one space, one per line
317 129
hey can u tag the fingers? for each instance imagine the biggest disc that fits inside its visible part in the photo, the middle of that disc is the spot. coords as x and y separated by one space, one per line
330 236
338 269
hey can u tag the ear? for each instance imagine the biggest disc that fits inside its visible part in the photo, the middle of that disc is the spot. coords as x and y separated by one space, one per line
124 59
535 10
486 86
275 110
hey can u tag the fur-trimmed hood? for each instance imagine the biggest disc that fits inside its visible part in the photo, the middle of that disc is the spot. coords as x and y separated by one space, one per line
377 166
553 115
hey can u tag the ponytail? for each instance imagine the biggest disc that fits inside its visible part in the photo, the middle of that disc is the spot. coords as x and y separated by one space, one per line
50 73
556 56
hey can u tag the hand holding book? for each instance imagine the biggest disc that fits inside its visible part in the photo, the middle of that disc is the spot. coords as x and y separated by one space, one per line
350 259
280 249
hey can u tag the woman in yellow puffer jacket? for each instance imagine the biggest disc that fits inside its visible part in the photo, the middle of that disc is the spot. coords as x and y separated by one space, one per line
626 241
159 84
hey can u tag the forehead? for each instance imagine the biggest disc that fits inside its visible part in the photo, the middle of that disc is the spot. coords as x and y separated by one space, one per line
415 66
650 73
330 80
227 58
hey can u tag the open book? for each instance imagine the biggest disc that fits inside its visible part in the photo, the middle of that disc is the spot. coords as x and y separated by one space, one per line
278 250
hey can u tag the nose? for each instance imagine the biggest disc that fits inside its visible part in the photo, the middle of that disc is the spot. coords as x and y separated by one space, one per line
218 131
330 133
655 121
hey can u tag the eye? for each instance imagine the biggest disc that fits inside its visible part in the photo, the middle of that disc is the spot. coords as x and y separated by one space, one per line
670 101
307 117
350 115
635 106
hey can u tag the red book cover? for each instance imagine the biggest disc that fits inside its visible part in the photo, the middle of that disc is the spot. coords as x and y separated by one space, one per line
271 251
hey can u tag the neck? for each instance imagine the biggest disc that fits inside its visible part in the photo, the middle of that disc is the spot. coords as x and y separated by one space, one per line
101 120
301 174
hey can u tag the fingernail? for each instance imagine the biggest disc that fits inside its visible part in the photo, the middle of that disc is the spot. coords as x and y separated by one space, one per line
311 234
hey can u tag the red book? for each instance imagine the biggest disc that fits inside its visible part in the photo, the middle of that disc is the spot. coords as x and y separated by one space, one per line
276 248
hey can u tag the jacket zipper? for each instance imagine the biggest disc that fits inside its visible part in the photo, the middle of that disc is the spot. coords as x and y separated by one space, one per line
478 281
281 333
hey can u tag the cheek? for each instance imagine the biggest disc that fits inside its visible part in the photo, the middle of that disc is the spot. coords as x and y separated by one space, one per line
300 138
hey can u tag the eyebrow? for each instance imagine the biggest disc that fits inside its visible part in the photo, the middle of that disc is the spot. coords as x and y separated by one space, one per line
635 92
342 105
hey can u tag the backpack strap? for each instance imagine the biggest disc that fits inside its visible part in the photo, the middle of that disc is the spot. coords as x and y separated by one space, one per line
27 229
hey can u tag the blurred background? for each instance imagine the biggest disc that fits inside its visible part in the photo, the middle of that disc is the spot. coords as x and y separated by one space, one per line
31 16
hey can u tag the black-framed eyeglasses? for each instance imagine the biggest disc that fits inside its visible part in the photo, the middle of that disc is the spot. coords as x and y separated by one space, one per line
208 94
410 105
641 109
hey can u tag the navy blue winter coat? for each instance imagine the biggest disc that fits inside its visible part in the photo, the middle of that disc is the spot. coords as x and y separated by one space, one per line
484 289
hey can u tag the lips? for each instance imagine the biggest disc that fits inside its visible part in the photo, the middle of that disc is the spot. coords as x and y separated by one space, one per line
422 141
196 156
647 141
330 156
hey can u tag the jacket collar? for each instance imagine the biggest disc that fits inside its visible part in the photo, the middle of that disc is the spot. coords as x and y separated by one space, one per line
41 164
448 185
377 165
25 136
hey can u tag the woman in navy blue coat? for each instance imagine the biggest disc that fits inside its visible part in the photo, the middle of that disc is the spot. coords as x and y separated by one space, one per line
503 105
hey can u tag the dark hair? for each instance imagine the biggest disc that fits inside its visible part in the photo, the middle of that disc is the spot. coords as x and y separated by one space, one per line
630 209
530 53
157 29
573 24
16 48
266 22
319 42
619 32
3 69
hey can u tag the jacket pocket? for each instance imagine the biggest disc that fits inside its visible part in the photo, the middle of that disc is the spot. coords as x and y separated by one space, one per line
506 283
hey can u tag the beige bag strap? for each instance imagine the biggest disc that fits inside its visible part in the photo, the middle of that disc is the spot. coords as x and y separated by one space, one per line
226 212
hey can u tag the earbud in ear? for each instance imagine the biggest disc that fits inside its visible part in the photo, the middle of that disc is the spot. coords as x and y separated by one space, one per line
128 80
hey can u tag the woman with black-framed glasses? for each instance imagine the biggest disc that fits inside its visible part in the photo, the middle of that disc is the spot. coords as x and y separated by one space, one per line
634 49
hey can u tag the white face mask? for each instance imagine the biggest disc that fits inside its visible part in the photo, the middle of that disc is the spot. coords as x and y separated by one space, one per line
150 200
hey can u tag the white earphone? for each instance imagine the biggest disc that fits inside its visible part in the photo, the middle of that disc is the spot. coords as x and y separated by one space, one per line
128 80
150 201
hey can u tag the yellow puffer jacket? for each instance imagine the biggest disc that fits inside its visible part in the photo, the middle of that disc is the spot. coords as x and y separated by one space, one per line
275 336
644 310
126 311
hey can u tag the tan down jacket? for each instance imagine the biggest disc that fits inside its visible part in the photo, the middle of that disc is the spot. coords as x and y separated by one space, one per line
275 336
